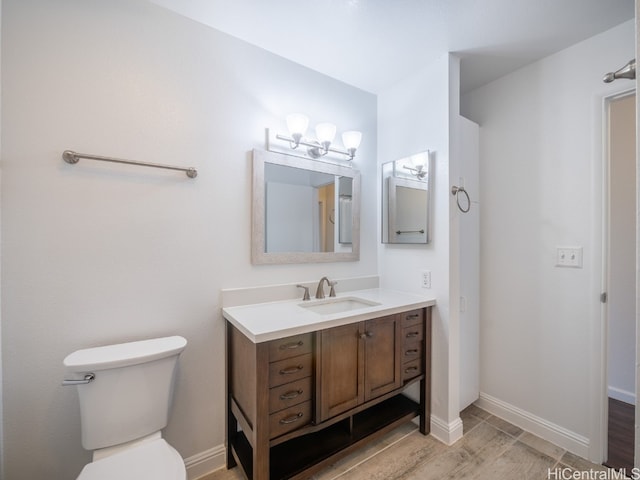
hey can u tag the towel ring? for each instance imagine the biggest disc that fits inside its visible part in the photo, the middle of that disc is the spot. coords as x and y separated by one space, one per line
456 192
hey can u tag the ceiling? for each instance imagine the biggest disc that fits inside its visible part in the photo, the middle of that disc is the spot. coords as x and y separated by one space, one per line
372 44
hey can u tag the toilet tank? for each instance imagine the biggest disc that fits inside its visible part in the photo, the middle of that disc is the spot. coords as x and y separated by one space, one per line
130 396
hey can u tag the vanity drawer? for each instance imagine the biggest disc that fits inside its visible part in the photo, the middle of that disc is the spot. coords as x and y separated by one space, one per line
411 351
289 370
289 347
411 369
413 333
412 317
289 394
289 419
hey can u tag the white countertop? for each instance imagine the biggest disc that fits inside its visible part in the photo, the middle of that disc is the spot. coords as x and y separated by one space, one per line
262 322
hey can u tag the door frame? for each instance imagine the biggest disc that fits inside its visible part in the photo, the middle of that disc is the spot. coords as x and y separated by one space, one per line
600 449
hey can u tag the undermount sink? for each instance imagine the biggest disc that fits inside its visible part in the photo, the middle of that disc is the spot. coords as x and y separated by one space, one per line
337 305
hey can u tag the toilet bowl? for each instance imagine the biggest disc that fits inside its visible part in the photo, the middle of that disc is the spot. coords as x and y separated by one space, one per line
125 393
154 459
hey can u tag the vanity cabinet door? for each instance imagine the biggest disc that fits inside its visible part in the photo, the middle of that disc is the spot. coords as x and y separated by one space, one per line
340 375
358 362
382 344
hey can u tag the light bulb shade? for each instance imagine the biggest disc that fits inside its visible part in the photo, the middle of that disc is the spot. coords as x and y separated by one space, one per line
419 160
351 139
297 123
325 132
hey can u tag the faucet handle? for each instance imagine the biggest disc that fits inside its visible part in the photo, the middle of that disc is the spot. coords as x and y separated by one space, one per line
306 292
332 292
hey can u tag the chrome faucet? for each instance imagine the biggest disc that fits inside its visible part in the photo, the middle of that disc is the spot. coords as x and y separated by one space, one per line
320 289
305 297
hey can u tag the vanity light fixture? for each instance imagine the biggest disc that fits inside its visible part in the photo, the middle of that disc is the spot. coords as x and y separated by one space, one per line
298 123
418 166
419 171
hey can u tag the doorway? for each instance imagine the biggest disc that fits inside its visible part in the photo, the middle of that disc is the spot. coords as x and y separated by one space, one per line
621 283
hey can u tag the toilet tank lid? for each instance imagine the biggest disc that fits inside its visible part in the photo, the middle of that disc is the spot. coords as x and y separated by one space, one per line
123 354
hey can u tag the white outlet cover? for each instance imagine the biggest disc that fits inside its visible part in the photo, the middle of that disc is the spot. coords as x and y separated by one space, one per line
426 279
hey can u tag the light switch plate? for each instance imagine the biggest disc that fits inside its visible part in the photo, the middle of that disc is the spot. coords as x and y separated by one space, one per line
569 257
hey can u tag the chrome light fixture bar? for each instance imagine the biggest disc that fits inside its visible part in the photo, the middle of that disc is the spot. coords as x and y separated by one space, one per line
325 133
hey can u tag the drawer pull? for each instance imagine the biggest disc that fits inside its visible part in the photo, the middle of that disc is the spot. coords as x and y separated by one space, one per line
413 315
411 352
292 345
291 370
410 369
291 395
412 334
291 418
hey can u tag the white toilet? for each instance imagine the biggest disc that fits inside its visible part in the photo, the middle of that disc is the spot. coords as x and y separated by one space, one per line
125 396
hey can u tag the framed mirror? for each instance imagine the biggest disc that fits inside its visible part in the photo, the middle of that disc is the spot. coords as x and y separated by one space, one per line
405 200
303 210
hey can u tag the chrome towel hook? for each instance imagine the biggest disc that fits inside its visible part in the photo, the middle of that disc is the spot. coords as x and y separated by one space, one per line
455 191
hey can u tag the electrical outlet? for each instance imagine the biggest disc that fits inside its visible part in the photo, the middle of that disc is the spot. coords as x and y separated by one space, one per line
569 257
426 279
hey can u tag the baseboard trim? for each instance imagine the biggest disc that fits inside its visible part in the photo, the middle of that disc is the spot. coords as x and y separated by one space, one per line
447 432
205 462
549 431
622 395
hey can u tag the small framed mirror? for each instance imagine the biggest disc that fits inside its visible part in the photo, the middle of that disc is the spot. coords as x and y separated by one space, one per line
303 210
405 200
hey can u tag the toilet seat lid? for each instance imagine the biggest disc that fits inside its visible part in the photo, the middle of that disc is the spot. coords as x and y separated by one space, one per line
154 459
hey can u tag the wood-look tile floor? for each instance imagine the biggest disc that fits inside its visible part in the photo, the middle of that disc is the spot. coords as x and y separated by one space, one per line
491 449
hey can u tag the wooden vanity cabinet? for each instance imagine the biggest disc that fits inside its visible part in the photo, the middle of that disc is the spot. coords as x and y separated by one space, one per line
299 403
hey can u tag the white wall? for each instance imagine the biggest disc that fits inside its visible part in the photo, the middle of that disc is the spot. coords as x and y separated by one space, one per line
622 244
98 253
541 187
417 115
